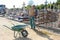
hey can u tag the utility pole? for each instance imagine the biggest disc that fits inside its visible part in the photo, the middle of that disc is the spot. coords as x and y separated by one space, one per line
14 12
46 12
58 7
53 6
46 4
13 9
50 6
23 6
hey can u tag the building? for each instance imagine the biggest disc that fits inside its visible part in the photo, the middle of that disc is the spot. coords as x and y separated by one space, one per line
2 9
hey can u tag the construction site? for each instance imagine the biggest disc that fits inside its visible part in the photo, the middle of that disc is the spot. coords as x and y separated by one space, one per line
30 23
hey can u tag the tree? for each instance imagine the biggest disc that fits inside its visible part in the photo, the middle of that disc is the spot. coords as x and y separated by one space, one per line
38 7
58 2
28 6
42 6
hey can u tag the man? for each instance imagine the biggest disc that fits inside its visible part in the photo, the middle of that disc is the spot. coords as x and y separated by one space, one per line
32 15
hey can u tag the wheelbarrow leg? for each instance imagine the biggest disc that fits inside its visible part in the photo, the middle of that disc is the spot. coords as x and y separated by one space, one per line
14 34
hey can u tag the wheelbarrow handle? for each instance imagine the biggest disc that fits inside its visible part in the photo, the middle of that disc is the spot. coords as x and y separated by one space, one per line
7 27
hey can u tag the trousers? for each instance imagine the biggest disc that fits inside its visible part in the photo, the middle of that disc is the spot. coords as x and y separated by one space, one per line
32 22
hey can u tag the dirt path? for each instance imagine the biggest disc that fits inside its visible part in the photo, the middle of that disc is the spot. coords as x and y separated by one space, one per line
7 34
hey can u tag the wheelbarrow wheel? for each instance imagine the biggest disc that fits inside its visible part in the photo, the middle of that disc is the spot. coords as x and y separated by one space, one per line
24 33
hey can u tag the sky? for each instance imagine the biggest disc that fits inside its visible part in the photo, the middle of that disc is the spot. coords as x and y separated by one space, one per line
18 3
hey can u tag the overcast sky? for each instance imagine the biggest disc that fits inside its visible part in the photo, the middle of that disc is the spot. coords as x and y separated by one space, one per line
18 3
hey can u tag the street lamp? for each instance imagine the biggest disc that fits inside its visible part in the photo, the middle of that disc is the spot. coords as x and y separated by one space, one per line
46 4
23 7
14 12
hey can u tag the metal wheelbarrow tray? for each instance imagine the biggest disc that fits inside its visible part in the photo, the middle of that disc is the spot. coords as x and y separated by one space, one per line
19 29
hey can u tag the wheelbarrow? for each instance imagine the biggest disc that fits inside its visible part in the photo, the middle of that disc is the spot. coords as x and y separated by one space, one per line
19 29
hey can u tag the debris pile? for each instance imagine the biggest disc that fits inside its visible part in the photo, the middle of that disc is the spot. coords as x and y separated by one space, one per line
49 16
